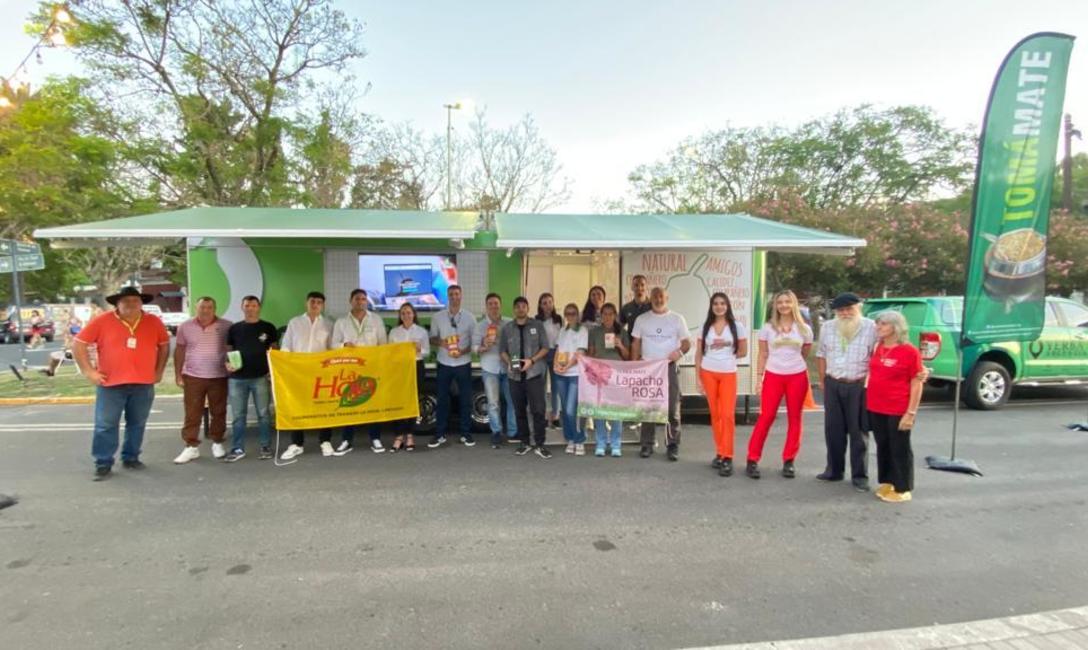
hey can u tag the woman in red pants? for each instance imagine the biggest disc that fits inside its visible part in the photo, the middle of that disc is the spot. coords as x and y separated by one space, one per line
723 340
784 344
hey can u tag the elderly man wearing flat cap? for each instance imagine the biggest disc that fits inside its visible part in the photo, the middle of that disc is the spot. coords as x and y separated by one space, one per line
132 350
842 360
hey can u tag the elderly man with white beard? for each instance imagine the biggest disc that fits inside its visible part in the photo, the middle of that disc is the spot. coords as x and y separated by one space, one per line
842 360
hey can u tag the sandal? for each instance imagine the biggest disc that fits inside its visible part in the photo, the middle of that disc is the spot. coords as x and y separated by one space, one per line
411 446
398 444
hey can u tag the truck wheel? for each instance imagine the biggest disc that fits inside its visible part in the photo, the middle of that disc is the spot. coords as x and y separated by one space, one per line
479 412
987 387
428 408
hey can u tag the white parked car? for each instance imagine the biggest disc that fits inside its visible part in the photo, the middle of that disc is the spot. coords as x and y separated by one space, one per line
173 319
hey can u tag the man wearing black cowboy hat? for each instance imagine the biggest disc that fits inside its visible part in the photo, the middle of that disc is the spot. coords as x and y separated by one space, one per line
842 361
133 347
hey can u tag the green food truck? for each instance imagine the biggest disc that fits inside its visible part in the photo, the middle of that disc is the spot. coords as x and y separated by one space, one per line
280 254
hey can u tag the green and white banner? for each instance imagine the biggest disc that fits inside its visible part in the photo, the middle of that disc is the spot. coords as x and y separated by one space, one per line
1006 267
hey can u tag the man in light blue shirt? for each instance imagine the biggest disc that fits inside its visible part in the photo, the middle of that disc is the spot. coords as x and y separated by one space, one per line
451 335
485 342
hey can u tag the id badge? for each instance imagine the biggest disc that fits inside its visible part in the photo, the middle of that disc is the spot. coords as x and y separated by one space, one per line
131 343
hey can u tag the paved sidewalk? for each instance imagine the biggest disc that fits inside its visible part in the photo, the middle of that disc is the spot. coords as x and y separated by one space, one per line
1066 628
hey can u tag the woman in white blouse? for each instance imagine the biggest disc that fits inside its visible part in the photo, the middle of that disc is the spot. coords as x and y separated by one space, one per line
781 370
408 331
573 342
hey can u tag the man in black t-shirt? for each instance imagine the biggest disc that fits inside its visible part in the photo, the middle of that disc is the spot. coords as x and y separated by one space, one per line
630 312
248 342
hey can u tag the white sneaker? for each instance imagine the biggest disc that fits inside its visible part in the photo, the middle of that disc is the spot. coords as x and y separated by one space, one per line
326 449
344 449
570 447
579 450
376 447
187 454
291 452
218 450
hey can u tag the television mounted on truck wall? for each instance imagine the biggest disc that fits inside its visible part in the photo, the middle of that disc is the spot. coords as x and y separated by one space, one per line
393 279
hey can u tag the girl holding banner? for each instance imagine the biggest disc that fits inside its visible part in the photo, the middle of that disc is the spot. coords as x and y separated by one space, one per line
784 343
573 340
717 348
408 331
545 313
609 341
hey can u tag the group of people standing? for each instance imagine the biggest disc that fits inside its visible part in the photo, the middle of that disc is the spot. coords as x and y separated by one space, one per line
869 373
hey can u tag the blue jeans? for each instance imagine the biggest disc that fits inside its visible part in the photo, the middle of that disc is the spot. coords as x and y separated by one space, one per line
238 392
608 433
567 387
494 384
111 402
448 375
553 396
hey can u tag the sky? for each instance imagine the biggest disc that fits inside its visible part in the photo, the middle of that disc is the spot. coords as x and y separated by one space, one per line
614 84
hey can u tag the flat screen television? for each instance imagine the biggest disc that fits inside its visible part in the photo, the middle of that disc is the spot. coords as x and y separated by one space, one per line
394 279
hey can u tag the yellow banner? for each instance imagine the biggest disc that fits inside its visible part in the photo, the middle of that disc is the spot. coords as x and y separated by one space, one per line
320 390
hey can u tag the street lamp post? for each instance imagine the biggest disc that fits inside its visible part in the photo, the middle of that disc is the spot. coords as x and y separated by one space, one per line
450 108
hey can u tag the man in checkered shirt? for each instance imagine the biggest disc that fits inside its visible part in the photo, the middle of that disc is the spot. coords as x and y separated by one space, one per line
842 360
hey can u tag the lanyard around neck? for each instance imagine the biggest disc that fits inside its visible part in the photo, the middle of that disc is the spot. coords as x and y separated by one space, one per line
131 328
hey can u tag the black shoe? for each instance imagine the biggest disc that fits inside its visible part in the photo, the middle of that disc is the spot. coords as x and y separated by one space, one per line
543 452
102 472
861 484
717 462
827 476
522 450
752 470
133 464
673 452
788 469
468 441
646 451
234 456
726 468
266 453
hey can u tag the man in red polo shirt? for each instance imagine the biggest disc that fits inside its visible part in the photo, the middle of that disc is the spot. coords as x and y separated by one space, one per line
200 357
133 347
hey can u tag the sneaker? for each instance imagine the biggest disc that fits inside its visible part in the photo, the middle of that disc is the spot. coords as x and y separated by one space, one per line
188 454
101 473
616 453
599 453
344 449
752 469
827 476
521 450
891 496
326 449
234 456
788 470
716 463
468 441
292 451
218 450
133 464
375 446
673 453
579 450
437 442
883 488
266 453
646 451
570 448
861 484
543 452
726 468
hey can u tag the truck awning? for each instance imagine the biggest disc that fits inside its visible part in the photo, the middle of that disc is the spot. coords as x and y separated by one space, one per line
664 231
174 226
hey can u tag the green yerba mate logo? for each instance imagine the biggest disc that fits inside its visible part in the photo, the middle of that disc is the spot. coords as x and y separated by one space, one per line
357 391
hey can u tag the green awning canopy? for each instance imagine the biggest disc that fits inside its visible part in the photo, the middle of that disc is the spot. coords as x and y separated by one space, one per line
268 222
642 231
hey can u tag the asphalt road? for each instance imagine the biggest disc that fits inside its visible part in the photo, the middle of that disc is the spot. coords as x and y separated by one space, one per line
461 548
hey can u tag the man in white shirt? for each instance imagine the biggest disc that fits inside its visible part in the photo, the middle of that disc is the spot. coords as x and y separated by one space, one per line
662 334
359 328
485 342
451 334
310 332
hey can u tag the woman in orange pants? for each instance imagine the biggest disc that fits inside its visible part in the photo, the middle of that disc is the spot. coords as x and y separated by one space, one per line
784 343
722 341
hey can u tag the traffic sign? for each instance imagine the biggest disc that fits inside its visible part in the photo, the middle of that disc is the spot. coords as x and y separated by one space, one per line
22 248
20 256
5 264
6 246
30 262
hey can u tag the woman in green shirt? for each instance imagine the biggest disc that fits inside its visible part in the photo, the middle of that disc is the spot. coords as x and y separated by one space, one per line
609 341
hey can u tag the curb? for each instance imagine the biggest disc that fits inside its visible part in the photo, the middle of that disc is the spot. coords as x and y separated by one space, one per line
89 399
1012 631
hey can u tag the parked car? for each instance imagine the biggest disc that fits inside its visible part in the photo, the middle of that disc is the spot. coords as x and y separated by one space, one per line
990 370
173 319
9 326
